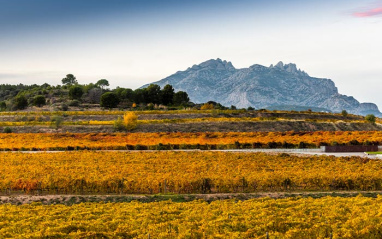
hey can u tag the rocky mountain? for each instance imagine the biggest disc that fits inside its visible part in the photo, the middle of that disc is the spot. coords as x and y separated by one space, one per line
262 87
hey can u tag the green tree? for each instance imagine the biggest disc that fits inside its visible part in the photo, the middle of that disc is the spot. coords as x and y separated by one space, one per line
20 102
89 87
39 100
102 83
180 98
152 94
3 106
167 95
118 91
109 100
344 113
370 118
127 94
76 92
138 96
70 79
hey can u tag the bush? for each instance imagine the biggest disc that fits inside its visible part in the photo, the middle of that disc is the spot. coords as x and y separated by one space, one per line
76 92
20 102
74 103
207 106
130 120
119 125
344 113
39 100
56 122
109 100
370 118
7 130
64 107
150 106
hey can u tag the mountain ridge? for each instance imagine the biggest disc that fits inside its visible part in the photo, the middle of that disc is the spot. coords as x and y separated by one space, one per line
262 87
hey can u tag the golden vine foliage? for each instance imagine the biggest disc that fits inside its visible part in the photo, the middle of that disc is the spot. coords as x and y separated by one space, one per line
130 120
46 141
173 121
182 172
292 218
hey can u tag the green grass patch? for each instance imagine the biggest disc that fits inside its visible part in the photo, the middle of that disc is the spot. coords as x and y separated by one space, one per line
379 152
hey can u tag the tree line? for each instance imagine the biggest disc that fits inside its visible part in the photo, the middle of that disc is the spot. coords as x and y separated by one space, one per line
71 93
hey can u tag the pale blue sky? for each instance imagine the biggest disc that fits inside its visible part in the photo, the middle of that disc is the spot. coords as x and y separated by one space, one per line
132 43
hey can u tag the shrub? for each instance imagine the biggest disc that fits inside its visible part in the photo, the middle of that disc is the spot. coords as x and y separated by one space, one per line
207 106
150 106
64 107
56 122
39 100
7 130
76 92
74 103
20 102
130 120
119 125
370 118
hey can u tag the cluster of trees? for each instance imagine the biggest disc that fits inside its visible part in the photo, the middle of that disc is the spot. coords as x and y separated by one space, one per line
151 95
71 93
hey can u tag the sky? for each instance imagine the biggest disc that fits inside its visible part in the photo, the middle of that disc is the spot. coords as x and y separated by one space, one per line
134 42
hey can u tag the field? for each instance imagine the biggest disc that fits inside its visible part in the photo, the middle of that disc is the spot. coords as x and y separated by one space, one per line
296 218
156 183
165 140
185 121
182 173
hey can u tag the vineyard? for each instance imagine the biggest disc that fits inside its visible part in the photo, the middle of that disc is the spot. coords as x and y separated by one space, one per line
169 141
88 185
170 121
182 173
183 121
297 218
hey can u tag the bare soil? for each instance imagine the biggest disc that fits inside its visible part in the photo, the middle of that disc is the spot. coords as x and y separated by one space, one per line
265 115
260 126
75 199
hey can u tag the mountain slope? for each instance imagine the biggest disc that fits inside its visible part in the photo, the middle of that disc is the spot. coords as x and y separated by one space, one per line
262 87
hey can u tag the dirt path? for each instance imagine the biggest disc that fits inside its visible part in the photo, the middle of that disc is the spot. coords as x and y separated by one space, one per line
298 152
75 199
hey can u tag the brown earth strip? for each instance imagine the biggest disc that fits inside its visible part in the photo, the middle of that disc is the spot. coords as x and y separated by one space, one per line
75 199
261 126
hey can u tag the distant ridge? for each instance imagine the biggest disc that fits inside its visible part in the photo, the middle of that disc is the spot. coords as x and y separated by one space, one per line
263 87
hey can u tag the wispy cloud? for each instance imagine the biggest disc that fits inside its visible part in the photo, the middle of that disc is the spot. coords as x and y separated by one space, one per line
369 13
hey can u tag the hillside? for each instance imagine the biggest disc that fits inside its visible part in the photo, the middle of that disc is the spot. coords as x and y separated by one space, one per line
275 87
185 121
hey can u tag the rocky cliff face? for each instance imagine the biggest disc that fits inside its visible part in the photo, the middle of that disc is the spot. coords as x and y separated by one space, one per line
262 87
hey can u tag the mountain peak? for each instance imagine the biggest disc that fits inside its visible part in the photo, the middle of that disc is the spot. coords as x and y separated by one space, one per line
280 65
291 68
213 64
